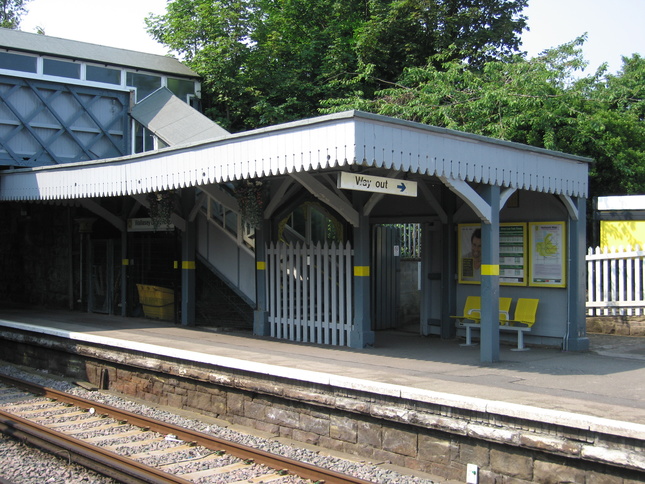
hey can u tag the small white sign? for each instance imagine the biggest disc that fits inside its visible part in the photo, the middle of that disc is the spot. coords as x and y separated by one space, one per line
377 184
145 225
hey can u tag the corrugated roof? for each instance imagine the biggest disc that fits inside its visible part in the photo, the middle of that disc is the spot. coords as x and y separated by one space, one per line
174 121
322 143
72 49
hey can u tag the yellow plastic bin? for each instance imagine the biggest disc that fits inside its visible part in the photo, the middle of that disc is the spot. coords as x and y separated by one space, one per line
158 302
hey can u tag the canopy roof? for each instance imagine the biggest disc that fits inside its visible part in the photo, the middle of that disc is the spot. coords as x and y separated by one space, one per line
174 121
328 142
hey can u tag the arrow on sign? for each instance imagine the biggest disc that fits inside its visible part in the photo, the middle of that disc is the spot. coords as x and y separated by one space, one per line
401 187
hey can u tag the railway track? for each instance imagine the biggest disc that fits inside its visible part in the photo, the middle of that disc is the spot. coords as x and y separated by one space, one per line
136 449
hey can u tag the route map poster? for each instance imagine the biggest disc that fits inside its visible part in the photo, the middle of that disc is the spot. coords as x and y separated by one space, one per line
547 250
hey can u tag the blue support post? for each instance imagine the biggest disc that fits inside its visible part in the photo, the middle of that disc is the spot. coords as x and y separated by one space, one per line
576 338
449 267
362 334
489 343
261 314
188 254
425 293
125 264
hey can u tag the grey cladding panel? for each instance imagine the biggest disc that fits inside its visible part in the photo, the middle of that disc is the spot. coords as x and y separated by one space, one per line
44 123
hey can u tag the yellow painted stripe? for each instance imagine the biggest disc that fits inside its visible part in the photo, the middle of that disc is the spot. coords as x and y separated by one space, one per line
261 265
362 271
175 265
125 262
188 264
490 270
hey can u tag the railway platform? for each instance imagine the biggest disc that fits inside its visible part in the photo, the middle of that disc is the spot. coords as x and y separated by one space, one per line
606 382
541 415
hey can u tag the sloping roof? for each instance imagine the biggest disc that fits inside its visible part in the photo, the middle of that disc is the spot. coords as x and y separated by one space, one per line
72 49
326 142
174 121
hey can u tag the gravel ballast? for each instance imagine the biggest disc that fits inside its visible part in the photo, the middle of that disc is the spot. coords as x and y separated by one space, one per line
21 464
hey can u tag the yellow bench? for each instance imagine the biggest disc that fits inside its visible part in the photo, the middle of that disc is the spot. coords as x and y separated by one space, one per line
525 312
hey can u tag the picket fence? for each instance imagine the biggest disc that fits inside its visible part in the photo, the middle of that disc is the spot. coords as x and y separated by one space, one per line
309 292
410 240
615 285
309 289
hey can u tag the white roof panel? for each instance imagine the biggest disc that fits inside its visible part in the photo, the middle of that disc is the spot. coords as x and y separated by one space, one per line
349 138
174 121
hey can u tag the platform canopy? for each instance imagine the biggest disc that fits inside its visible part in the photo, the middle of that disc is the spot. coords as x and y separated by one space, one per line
337 141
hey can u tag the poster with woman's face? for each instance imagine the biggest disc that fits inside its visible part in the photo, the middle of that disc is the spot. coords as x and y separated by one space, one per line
512 254
470 253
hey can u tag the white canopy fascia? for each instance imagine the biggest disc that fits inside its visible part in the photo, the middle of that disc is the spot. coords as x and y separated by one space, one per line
326 142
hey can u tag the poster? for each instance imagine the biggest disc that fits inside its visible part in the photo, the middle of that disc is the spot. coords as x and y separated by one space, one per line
512 255
547 249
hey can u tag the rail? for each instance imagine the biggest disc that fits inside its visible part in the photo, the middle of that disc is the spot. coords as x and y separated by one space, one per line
280 463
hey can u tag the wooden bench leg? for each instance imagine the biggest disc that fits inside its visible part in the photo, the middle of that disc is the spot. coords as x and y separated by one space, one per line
520 342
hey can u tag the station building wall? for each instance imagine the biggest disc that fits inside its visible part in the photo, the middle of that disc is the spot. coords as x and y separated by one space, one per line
551 322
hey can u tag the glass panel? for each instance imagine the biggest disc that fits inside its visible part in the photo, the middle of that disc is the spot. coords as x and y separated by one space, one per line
299 220
217 211
318 227
144 139
181 88
145 84
148 140
60 68
231 221
138 139
103 74
17 62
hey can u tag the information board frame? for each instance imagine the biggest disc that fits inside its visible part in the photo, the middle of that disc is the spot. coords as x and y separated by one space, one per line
548 254
513 242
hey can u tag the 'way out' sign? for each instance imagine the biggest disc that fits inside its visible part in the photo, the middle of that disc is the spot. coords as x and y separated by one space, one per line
377 184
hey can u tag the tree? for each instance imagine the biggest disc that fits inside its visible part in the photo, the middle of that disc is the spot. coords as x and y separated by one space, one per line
214 39
540 102
616 131
269 61
11 12
408 33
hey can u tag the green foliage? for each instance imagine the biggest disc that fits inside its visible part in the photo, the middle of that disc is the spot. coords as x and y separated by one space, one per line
11 12
406 33
270 61
539 102
214 39
450 63
161 206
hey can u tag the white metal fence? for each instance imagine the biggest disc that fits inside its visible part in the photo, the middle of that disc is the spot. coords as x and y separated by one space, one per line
615 283
410 243
309 292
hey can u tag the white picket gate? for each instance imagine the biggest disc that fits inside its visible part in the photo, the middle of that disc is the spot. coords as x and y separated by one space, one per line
309 292
615 281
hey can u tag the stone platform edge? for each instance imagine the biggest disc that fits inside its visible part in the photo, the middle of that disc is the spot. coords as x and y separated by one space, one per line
494 407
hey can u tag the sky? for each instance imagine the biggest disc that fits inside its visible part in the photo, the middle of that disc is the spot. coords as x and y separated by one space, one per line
614 27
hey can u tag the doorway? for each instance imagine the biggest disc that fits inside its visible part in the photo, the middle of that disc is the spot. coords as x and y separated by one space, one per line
396 291
103 277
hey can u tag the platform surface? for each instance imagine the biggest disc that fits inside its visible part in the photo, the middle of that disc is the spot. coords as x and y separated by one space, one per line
607 382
